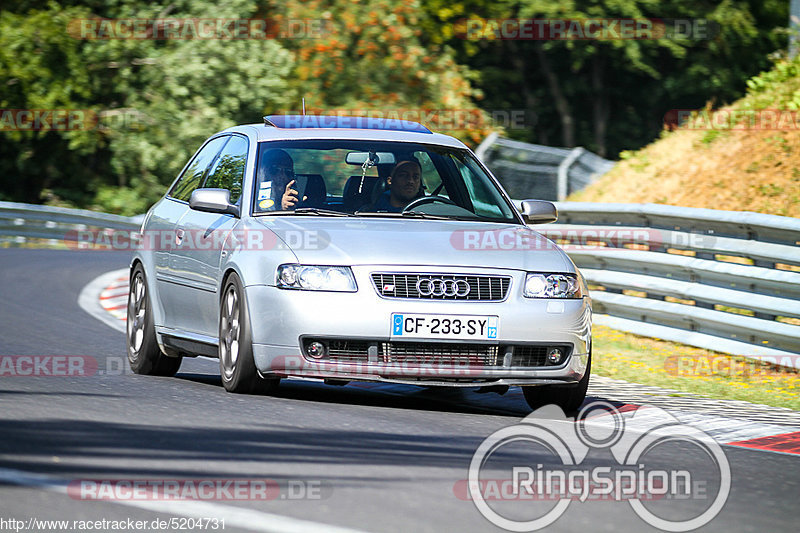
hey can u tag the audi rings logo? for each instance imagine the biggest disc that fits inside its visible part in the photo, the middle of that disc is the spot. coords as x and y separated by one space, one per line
442 287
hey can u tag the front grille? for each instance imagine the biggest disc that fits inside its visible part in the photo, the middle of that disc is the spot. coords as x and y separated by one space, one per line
439 353
348 350
357 351
481 288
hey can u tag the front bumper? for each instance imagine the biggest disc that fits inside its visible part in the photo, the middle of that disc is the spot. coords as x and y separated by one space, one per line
282 319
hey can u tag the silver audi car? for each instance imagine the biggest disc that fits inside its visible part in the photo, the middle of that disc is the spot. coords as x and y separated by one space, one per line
351 248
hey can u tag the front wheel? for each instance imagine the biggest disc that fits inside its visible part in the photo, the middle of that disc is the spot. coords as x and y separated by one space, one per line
568 397
144 355
236 365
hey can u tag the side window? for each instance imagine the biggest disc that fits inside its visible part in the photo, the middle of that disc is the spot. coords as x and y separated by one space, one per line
485 202
430 176
228 170
193 176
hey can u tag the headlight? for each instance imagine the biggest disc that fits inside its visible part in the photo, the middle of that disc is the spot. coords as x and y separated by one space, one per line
552 286
316 278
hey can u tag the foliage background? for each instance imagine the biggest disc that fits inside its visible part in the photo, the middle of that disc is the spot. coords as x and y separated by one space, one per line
159 99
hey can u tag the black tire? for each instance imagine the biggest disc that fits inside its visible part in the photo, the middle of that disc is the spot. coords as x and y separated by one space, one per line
144 354
236 366
568 397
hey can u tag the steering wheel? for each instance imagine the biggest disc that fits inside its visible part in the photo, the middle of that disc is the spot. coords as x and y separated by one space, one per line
428 200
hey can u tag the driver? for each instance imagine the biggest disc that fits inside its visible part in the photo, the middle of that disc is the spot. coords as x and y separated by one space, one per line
277 179
404 186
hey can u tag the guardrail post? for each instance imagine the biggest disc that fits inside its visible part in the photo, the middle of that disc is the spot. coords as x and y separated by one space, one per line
482 148
563 172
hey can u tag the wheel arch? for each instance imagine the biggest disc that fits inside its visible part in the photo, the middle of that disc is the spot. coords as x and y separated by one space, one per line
155 297
225 276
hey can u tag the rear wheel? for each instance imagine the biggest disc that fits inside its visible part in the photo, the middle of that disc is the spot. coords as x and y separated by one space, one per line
144 355
236 365
568 397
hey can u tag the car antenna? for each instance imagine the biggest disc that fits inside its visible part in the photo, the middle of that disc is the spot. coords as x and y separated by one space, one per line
304 106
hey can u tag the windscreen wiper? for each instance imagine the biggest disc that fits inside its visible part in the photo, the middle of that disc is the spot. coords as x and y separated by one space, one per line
404 214
313 211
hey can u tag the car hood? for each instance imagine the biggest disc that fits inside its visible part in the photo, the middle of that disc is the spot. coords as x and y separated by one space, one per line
385 241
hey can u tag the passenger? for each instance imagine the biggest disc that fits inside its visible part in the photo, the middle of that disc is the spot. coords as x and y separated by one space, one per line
404 186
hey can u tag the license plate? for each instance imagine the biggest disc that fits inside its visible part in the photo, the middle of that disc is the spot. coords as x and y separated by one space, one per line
419 326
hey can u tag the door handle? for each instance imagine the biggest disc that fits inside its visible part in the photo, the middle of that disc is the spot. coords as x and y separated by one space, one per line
179 233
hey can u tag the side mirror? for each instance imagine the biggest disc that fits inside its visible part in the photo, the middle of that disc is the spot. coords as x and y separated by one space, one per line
539 211
213 201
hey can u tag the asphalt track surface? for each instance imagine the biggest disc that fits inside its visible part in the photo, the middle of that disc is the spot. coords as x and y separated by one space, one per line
381 458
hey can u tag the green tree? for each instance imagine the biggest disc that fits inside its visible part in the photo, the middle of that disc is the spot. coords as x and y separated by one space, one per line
156 100
41 67
611 95
372 55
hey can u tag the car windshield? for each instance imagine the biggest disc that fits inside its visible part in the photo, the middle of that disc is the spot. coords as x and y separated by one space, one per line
375 179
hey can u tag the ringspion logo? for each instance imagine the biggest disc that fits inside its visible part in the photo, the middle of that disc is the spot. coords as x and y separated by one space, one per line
544 459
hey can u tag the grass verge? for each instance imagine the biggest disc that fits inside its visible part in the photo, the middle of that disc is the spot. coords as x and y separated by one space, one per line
621 355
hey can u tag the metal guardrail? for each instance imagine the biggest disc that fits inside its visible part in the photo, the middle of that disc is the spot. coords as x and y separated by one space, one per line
721 280
536 171
55 226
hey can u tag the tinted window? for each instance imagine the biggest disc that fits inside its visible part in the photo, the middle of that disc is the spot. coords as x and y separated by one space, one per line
454 182
228 169
485 199
193 176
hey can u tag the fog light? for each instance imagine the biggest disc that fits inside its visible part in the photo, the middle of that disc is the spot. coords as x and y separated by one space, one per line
554 356
315 349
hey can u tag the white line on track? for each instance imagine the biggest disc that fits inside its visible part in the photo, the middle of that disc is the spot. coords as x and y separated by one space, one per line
239 517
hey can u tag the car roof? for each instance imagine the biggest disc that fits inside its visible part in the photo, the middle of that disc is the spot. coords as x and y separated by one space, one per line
418 134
